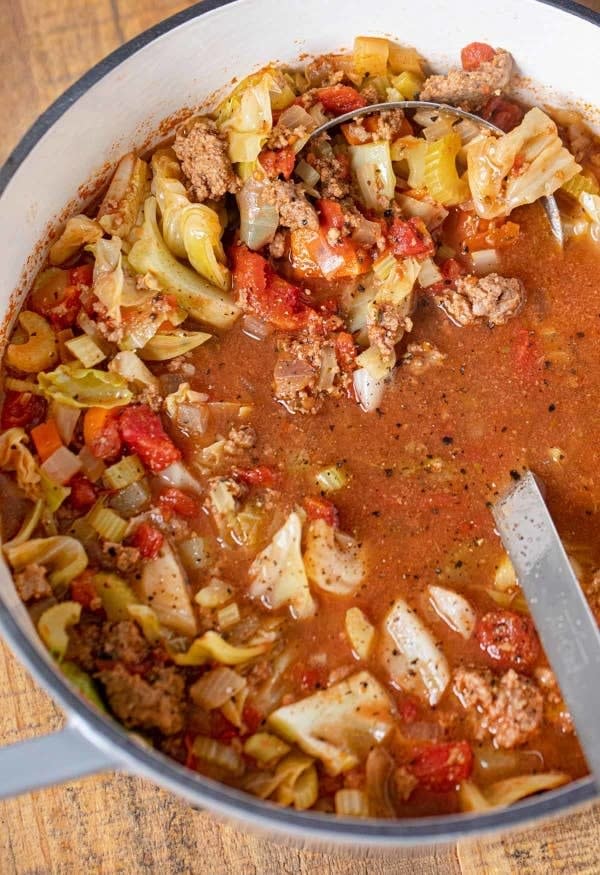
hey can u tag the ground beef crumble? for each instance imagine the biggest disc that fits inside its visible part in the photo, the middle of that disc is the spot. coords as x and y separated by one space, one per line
492 298
205 161
470 89
32 583
509 708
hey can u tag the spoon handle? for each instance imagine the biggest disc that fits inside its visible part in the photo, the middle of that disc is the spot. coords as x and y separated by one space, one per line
565 623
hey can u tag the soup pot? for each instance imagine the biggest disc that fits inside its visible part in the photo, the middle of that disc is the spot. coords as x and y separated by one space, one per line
121 104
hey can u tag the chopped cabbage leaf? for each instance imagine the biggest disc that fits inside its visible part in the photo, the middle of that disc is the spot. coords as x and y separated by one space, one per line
191 231
278 575
163 586
519 167
14 456
338 725
247 118
184 395
85 387
411 654
150 255
53 626
119 210
171 344
129 366
78 232
63 556
212 647
454 609
108 276
508 791
28 525
333 560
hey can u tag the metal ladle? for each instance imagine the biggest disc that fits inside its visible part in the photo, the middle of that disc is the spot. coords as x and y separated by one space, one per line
560 611
549 203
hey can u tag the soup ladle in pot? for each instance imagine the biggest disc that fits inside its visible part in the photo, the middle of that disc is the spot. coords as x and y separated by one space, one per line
549 203
565 623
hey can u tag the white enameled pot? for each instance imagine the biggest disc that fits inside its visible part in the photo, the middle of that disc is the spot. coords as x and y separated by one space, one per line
116 107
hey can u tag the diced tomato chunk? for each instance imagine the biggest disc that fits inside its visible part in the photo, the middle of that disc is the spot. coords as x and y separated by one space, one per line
338 99
278 162
331 212
410 237
473 55
22 409
503 113
101 433
148 539
261 475
318 508
252 718
271 297
441 767
83 492
345 351
81 275
452 269
178 501
508 639
141 429
82 590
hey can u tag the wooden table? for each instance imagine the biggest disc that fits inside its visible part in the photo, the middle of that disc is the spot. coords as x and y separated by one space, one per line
116 824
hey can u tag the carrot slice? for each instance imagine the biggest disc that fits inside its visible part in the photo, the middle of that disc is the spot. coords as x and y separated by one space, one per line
46 439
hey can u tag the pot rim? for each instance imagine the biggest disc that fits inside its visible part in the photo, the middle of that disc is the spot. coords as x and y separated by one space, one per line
135 758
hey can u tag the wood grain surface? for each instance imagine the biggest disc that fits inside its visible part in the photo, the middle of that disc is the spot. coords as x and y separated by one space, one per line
116 824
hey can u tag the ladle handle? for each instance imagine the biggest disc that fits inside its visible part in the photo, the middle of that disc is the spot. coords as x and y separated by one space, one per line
50 759
562 616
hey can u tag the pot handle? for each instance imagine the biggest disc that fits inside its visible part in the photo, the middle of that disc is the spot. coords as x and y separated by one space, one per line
51 759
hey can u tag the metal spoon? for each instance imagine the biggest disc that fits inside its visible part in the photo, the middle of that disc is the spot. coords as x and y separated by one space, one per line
561 613
549 203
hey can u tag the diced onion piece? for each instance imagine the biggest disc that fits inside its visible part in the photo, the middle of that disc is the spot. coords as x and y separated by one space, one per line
351 803
116 595
216 687
370 55
92 467
53 626
556 455
61 466
307 173
360 632
433 214
129 365
429 274
265 747
254 327
109 525
331 479
412 656
485 261
214 594
217 754
66 419
132 500
228 616
369 391
147 621
84 349
193 553
454 609
372 166
178 475
258 220
125 472
505 577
